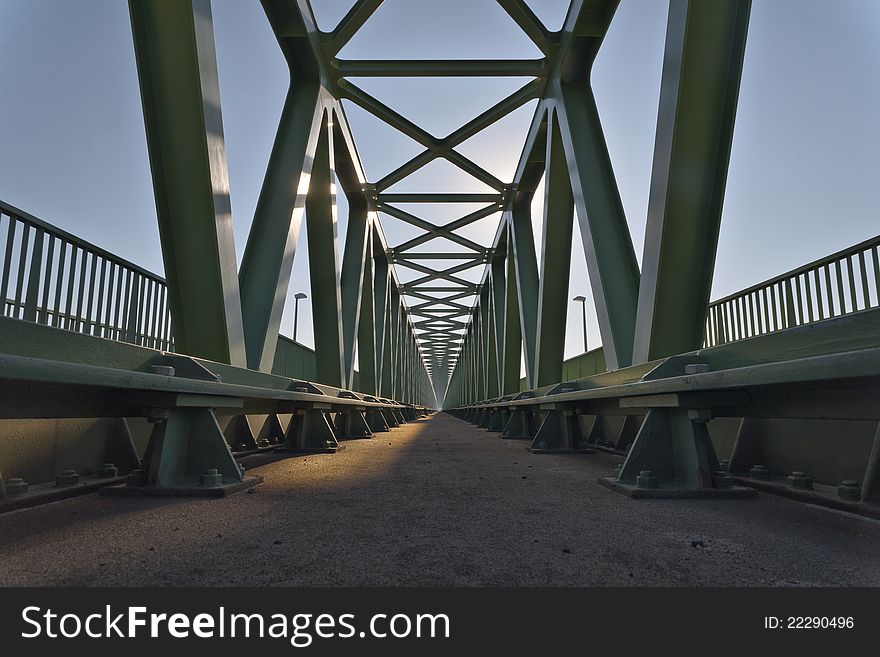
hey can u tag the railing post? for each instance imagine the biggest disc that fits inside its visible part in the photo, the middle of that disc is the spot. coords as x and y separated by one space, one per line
790 316
132 312
33 279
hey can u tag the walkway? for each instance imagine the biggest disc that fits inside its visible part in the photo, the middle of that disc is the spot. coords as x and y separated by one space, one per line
436 502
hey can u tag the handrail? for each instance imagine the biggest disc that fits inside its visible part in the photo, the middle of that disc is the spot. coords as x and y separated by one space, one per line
102 294
52 277
838 284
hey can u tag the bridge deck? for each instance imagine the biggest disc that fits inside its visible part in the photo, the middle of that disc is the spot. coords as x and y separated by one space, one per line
436 502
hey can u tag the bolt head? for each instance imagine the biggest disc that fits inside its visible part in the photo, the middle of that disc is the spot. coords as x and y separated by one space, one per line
16 486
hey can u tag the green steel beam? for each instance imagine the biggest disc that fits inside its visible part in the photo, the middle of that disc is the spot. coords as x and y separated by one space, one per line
381 292
555 260
525 265
354 265
385 68
180 94
611 260
523 16
359 14
497 276
386 382
264 276
435 255
393 337
488 361
324 263
702 67
366 329
439 148
497 199
512 352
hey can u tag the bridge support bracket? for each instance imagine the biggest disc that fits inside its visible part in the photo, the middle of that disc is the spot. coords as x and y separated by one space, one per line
498 419
376 421
310 432
187 456
520 425
560 433
673 457
352 425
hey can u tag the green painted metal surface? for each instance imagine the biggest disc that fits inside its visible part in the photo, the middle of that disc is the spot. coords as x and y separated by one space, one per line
705 46
324 263
555 261
180 93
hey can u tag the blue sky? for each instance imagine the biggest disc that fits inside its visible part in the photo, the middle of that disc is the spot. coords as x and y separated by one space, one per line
804 166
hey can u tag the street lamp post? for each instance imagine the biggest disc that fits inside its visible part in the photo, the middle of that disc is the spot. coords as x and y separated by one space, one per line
583 301
297 296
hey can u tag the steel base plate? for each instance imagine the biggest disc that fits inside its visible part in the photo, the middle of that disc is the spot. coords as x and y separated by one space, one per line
734 492
184 491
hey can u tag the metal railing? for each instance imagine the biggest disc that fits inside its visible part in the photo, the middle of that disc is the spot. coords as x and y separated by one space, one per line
54 278
839 284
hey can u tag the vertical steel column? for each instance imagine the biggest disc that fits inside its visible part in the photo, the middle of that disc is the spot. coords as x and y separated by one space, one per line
702 68
394 351
525 263
555 260
180 93
386 382
354 264
381 285
366 329
490 356
324 262
499 291
512 331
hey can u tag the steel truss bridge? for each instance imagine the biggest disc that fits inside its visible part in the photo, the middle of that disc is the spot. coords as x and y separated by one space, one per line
773 388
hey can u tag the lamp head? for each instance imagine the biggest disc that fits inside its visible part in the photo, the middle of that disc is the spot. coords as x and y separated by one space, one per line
300 295
580 298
